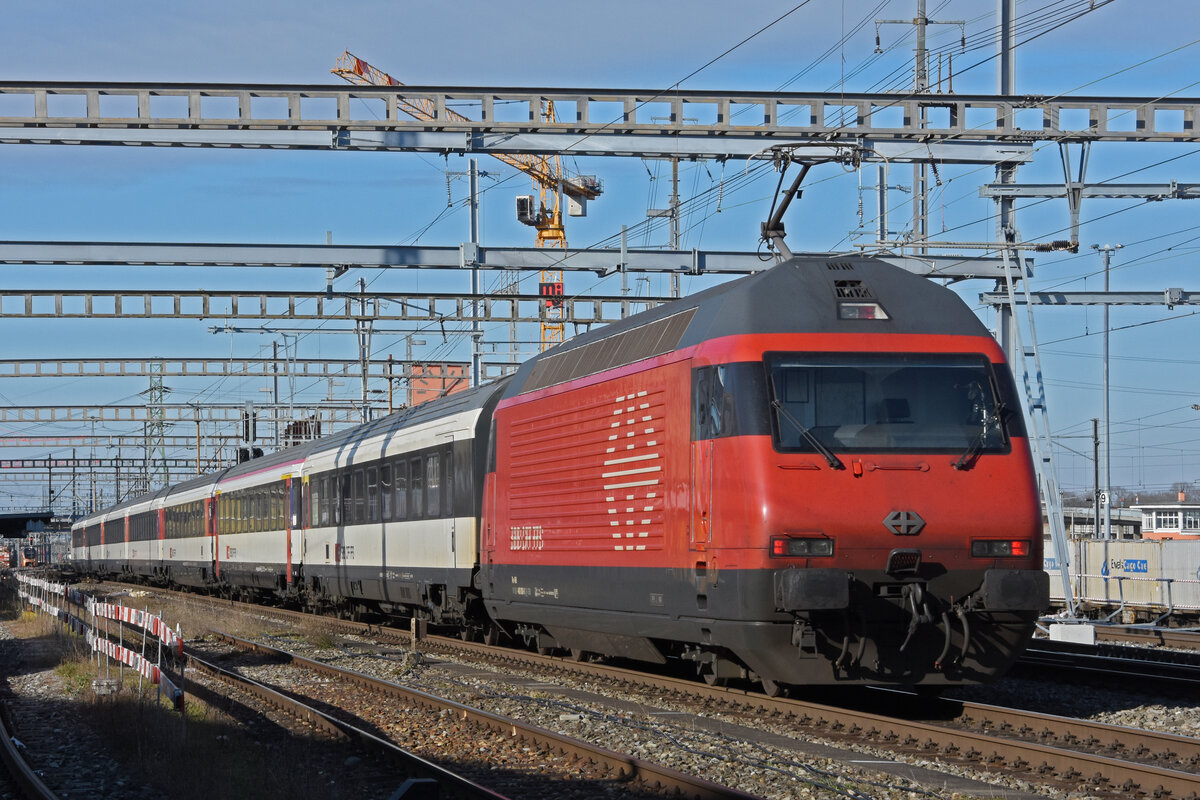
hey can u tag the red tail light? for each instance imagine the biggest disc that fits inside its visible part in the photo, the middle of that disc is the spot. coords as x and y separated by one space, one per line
1000 548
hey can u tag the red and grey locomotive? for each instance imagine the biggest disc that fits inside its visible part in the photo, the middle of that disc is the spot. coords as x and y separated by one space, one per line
817 474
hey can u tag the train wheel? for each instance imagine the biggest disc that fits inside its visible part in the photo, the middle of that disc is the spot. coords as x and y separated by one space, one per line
772 689
712 679
491 635
577 654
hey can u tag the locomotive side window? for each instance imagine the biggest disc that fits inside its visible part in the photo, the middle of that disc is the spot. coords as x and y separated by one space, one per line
729 400
712 413
898 402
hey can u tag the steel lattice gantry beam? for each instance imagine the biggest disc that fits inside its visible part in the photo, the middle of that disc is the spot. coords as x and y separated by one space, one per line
1168 297
92 462
130 476
1150 191
698 124
260 367
291 305
114 441
528 259
181 412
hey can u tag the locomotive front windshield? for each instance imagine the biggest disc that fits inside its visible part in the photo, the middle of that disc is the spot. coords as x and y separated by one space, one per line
890 402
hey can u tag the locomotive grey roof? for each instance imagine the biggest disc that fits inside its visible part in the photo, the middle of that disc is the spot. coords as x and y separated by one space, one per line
798 296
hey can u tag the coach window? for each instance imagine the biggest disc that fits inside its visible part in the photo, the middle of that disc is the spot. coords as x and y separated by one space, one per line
400 475
360 497
345 499
385 491
416 506
372 494
433 484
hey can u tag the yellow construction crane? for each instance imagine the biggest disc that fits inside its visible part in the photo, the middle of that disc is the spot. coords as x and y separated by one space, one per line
544 214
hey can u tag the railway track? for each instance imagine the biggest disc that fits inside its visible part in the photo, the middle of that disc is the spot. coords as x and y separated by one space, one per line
1183 639
302 718
17 778
1123 662
1054 751
574 768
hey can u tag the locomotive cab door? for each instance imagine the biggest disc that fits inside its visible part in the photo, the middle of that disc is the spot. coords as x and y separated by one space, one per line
712 418
700 529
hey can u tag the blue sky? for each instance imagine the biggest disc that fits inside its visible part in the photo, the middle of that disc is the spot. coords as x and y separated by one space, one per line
175 195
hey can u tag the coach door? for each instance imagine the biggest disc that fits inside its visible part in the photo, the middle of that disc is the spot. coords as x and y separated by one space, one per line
292 492
212 504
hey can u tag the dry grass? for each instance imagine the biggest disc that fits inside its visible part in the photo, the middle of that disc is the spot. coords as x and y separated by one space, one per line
219 755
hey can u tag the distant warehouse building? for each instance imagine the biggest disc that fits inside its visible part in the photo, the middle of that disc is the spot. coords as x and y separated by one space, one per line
1080 523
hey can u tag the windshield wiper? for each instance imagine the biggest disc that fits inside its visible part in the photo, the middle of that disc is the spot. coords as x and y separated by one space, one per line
967 459
810 437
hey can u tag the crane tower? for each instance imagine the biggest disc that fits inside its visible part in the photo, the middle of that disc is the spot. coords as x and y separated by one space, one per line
543 213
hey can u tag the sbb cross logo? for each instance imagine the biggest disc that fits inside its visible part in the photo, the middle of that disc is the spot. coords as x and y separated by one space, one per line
904 523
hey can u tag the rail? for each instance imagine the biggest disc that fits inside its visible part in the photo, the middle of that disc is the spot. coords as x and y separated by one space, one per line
629 768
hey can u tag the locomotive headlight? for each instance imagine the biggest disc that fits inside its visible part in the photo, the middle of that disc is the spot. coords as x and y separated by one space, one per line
861 311
792 547
1000 548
